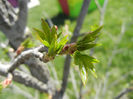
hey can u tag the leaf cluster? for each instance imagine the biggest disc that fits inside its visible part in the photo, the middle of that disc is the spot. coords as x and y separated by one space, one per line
88 40
57 45
86 62
50 38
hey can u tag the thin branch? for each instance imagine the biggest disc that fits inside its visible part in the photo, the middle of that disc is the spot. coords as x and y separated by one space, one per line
28 80
80 19
24 56
125 91
65 75
116 82
112 56
74 82
98 5
15 89
98 91
48 19
81 88
103 12
52 67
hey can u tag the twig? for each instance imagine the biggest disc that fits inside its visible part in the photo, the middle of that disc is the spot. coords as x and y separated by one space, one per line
28 80
24 56
98 91
98 5
15 89
80 19
103 12
125 91
116 82
81 87
112 56
74 82
54 73
48 19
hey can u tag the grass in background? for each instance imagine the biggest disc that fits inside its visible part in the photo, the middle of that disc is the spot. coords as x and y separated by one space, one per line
117 12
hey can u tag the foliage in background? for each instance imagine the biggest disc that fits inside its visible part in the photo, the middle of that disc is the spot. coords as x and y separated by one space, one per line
121 63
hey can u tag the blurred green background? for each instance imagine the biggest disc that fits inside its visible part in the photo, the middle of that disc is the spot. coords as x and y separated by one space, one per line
115 70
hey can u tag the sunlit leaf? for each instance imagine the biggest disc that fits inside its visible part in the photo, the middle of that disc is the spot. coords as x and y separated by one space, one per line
85 46
85 63
83 74
89 37
58 35
61 43
93 72
52 49
40 33
46 30
53 34
42 41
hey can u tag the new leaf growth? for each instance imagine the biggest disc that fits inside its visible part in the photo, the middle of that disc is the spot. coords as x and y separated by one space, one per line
57 46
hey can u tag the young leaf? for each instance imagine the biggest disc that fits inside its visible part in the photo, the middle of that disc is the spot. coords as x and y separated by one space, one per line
53 34
90 36
85 63
93 72
61 44
86 46
46 30
89 58
83 74
40 34
76 58
90 67
58 35
52 49
41 40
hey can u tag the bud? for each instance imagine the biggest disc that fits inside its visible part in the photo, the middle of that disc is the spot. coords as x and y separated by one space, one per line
20 49
56 27
69 48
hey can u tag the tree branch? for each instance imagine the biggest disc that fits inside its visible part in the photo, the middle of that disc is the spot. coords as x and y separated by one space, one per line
80 19
111 58
28 80
74 83
125 91
15 33
16 90
98 5
26 55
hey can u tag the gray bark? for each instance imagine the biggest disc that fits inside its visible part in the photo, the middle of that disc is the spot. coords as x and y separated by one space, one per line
15 33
